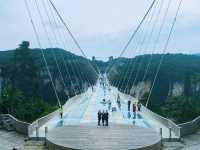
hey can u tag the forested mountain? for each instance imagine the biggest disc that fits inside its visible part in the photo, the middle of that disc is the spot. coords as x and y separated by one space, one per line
177 86
102 66
26 89
27 92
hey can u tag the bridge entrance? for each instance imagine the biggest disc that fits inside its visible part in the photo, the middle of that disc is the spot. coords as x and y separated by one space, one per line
114 137
78 129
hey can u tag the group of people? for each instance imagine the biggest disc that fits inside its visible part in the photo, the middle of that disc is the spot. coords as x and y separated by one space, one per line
136 107
103 117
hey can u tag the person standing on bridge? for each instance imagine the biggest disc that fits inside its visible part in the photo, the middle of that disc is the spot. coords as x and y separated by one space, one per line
134 111
99 115
139 106
129 105
92 89
118 101
109 104
106 117
103 117
61 112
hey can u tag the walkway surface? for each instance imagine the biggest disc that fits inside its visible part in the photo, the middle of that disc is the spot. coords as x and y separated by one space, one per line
84 110
191 142
9 140
95 104
114 137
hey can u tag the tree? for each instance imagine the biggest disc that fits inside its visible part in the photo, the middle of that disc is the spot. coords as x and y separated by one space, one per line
187 85
10 99
25 71
182 109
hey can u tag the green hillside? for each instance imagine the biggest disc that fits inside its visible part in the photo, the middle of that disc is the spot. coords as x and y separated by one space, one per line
175 69
27 92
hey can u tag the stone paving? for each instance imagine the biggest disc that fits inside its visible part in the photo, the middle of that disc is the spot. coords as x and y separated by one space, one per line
9 140
191 142
113 137
34 145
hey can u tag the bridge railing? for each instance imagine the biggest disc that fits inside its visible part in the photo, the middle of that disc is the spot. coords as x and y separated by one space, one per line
166 122
17 125
190 127
42 121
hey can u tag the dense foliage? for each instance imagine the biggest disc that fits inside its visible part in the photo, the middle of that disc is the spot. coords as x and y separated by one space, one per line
27 92
181 108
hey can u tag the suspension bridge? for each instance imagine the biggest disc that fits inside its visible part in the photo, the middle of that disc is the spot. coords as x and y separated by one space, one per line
77 128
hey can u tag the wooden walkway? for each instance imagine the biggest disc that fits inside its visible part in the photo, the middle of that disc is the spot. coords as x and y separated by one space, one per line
114 137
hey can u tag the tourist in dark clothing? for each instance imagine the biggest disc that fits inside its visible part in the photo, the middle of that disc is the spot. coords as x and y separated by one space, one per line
92 89
129 105
109 104
139 106
129 115
61 112
106 117
99 114
118 97
134 111
119 103
103 118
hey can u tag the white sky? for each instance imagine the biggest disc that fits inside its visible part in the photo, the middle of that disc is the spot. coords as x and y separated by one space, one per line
101 26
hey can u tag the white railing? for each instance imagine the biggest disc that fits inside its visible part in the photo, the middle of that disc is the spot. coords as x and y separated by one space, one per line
166 122
19 126
41 121
190 127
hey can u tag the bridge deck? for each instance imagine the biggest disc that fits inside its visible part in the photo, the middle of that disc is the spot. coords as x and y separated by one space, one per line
84 110
114 137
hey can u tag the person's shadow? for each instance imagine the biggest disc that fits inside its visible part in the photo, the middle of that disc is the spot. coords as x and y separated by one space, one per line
129 115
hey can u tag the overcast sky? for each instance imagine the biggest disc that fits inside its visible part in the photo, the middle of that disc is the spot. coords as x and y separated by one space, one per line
102 27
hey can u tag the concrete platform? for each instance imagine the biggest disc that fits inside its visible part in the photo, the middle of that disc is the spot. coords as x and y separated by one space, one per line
92 137
11 139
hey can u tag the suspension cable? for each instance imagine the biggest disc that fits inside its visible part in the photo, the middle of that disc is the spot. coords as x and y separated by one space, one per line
137 47
42 51
164 50
73 38
133 35
50 42
157 39
76 63
59 38
146 38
